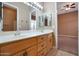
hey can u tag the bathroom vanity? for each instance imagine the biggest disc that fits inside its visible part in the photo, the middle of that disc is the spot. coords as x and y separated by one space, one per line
29 33
33 44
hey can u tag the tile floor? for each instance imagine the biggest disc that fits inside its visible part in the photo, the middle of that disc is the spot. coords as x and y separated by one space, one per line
55 52
63 53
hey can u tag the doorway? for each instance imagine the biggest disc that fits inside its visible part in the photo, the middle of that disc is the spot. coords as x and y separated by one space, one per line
68 29
9 18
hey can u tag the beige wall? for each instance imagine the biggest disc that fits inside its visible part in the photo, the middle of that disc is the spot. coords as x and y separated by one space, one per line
50 7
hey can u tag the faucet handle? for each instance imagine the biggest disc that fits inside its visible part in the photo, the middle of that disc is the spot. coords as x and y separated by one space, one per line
17 33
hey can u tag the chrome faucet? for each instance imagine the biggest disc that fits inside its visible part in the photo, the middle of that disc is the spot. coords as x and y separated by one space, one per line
17 33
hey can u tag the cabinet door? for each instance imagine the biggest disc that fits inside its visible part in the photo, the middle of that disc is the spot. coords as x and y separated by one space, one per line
41 39
43 52
14 47
41 46
32 51
48 45
53 40
22 53
50 42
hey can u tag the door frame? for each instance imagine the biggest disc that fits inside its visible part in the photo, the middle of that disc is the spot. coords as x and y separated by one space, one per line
13 6
56 26
78 29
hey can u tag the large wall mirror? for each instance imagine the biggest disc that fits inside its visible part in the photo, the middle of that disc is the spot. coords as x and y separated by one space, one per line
18 16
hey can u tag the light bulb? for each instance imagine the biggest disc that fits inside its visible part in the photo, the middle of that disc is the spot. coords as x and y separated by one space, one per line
67 8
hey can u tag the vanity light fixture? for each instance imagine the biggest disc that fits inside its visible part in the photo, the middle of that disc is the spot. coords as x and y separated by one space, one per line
35 5
67 8
39 6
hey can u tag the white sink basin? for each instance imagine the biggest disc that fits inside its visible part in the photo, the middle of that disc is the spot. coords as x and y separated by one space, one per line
21 35
3 38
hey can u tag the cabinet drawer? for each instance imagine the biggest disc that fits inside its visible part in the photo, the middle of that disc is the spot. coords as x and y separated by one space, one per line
43 52
49 44
32 51
14 47
50 36
51 40
41 46
22 53
42 38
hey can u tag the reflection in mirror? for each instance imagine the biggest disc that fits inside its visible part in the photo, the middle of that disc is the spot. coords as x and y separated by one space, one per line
41 22
9 18
45 20
17 16
33 20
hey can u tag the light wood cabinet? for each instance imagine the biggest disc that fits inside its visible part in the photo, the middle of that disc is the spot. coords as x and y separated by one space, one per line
22 53
35 46
32 51
13 47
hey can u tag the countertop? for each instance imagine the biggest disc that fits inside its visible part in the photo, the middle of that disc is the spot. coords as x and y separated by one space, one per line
22 35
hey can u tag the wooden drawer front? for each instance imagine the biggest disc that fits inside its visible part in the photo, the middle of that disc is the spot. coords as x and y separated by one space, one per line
50 36
51 39
32 51
17 46
49 44
22 53
42 38
41 46
43 52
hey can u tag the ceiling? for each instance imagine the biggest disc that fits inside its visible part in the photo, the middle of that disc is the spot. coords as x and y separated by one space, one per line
61 4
